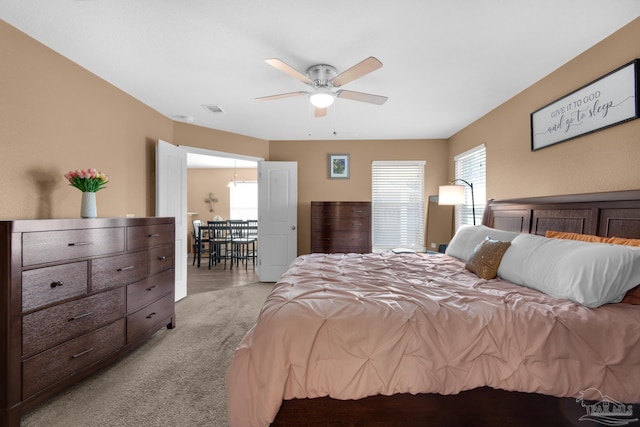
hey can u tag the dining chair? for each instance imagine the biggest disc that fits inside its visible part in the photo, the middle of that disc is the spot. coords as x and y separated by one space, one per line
198 245
253 234
219 242
242 242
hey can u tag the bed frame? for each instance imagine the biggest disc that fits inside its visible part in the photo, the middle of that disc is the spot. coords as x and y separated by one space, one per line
604 214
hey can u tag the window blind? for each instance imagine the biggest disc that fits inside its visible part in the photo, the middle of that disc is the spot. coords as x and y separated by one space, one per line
471 166
397 204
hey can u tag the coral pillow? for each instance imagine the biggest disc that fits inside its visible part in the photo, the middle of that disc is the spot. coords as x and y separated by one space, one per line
631 297
592 238
486 257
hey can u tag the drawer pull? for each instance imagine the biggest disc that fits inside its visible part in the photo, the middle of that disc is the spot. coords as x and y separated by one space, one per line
57 283
82 353
162 258
126 268
151 315
153 235
152 287
80 316
80 244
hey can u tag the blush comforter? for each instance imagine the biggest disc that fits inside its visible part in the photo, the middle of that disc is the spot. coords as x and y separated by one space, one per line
354 325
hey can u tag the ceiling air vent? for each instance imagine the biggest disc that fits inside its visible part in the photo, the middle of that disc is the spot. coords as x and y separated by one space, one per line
213 108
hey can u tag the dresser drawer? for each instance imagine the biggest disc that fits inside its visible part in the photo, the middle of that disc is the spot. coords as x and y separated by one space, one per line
61 361
160 258
141 321
44 286
147 236
326 248
341 242
344 209
52 326
118 270
330 224
150 289
50 246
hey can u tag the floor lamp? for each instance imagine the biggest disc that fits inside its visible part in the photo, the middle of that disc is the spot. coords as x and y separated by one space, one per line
453 194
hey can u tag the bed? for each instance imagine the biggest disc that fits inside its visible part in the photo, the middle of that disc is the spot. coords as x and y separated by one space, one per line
419 339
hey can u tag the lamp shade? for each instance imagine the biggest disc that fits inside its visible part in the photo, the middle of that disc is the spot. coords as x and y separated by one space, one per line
321 99
451 195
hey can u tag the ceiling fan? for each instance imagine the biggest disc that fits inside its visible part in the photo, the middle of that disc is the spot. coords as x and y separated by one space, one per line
323 78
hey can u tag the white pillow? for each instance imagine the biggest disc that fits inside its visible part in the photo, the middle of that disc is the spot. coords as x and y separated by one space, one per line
469 236
591 274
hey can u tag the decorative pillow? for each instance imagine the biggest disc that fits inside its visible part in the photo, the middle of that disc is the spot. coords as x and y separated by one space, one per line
469 236
633 296
592 238
485 259
585 273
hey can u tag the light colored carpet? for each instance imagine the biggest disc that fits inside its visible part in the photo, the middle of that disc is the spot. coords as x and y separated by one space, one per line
174 379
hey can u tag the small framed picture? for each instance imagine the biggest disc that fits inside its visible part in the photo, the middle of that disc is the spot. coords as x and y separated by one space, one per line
338 166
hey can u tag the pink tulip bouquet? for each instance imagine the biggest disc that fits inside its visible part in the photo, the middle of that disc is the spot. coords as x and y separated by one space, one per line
87 180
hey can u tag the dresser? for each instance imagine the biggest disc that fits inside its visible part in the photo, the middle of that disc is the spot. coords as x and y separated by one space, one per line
341 227
76 294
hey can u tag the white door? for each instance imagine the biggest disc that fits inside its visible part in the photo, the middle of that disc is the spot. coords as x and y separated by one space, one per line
171 200
277 218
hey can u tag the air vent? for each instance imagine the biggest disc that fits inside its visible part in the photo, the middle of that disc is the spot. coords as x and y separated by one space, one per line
213 108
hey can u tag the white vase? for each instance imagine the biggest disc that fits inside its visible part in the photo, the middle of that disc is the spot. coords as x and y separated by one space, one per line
88 208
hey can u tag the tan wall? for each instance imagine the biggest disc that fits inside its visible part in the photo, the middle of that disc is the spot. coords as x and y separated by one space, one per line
56 116
606 160
201 182
313 170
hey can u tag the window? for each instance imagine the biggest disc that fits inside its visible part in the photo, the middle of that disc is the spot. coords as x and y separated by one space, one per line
243 202
397 203
471 166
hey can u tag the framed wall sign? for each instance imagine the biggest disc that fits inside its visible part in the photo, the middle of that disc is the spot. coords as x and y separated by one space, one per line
606 102
339 166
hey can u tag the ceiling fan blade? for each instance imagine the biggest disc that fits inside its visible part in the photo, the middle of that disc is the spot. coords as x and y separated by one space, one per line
320 112
365 67
362 97
289 70
280 96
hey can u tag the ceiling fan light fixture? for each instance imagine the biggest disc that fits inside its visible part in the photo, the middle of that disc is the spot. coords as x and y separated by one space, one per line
323 78
322 99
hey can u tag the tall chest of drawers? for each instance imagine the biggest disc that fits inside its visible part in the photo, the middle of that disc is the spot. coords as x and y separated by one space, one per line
75 295
341 227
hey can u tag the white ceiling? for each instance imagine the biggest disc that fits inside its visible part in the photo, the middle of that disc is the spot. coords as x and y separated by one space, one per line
446 62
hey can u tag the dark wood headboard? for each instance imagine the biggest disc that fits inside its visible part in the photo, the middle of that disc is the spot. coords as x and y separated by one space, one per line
610 214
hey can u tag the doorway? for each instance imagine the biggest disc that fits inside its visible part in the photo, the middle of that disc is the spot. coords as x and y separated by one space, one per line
277 219
209 176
